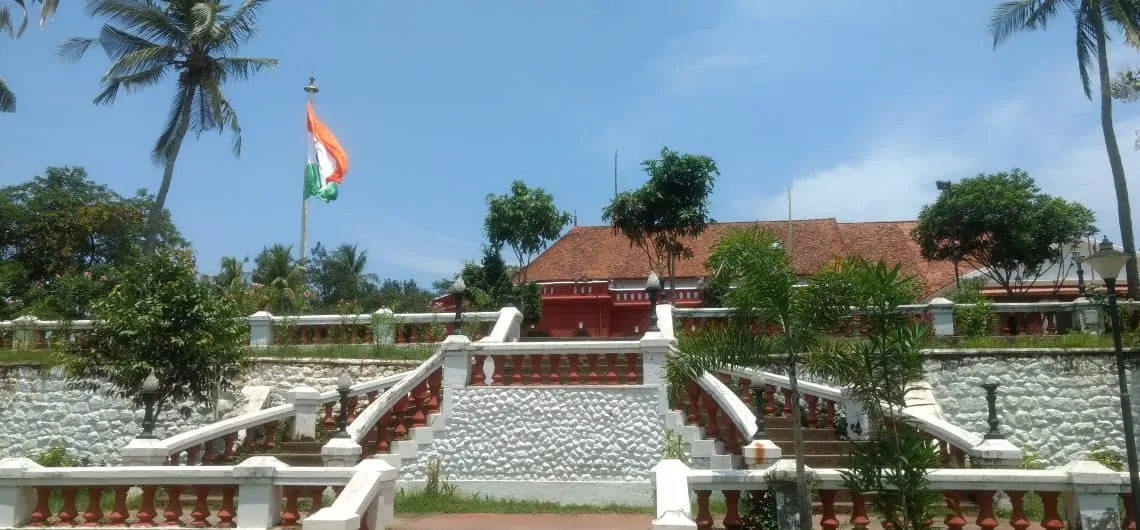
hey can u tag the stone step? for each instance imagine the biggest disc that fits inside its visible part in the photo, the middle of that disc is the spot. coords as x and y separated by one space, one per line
303 447
785 434
816 447
786 421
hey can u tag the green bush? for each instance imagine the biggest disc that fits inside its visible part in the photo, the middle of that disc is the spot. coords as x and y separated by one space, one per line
59 456
973 320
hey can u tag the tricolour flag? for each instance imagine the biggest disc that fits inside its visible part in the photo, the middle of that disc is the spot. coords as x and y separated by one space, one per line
327 161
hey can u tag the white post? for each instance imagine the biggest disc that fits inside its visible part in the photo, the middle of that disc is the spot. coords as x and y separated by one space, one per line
942 316
1087 315
384 331
341 452
261 329
654 354
145 452
306 402
26 333
16 500
1093 500
671 489
260 502
456 363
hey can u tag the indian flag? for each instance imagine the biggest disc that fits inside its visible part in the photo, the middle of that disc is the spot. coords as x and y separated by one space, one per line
327 162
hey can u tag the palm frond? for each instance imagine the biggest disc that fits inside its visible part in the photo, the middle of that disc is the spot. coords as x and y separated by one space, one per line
7 98
1009 18
168 143
202 17
213 112
144 18
47 10
1086 44
75 48
6 21
16 31
130 83
239 27
141 60
117 42
241 68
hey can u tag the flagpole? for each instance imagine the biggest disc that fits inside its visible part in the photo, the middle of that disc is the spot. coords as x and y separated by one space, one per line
311 92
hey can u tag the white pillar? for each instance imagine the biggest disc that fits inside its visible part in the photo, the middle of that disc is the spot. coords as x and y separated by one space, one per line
26 333
1089 503
260 329
456 363
384 326
259 505
306 402
654 355
145 452
942 316
341 452
16 501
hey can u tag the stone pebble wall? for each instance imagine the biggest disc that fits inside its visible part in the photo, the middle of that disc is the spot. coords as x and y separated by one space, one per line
38 411
535 434
1060 406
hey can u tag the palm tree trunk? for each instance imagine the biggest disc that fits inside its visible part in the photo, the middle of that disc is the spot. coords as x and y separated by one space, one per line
1123 206
154 220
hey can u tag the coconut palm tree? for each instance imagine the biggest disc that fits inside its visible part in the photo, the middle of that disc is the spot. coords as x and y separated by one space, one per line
282 277
1095 19
190 40
7 97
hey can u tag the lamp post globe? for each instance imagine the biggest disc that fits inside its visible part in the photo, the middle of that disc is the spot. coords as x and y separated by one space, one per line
343 387
1107 262
149 393
457 290
653 288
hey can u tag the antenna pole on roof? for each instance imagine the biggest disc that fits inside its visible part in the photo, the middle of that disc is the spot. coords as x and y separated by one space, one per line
615 174
788 247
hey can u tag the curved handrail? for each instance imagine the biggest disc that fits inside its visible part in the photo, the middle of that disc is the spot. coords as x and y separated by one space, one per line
376 409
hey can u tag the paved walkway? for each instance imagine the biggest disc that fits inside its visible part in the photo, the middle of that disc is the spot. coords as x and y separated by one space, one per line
489 521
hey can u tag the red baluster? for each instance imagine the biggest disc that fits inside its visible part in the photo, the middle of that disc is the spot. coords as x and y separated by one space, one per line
399 430
147 512
953 519
1051 323
812 410
227 510
554 377
1051 519
497 374
382 432
192 455
201 512
572 375
1129 515
1017 510
592 364
328 422
859 517
353 401
745 390
208 454
829 415
828 520
478 378
986 520
517 369
611 369
631 362
94 512
731 519
290 514
435 384
173 513
41 513
693 391
271 435
770 407
704 516
711 410
787 401
119 513
372 396
68 512
535 370
420 395
228 454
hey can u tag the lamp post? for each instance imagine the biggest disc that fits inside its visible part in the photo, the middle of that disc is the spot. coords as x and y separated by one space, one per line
1078 258
149 393
343 386
653 287
1107 262
457 289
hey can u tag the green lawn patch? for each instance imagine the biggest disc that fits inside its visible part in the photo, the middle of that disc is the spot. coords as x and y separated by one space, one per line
421 502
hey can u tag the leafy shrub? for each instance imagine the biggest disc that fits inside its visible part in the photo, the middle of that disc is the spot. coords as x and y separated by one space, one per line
972 320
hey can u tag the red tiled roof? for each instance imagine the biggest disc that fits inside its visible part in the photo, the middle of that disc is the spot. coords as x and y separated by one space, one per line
597 252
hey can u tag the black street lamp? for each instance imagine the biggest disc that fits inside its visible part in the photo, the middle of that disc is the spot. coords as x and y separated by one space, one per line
457 289
758 399
653 287
343 386
991 409
1078 258
1107 262
149 394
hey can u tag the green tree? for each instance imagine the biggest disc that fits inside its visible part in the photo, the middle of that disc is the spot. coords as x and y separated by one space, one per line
891 468
191 40
489 286
1003 224
1095 19
47 9
280 280
59 235
525 220
161 317
339 276
671 206
402 296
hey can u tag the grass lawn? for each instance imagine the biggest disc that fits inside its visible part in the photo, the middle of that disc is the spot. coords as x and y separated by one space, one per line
421 502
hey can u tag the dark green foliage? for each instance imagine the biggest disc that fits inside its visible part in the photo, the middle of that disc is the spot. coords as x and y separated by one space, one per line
1003 224
60 234
977 319
161 317
672 205
526 221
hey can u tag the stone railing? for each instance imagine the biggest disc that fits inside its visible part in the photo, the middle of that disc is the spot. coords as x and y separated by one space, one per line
1092 494
1012 318
411 403
381 327
260 492
302 418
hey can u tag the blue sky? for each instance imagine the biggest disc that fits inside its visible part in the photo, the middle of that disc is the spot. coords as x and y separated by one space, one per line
858 108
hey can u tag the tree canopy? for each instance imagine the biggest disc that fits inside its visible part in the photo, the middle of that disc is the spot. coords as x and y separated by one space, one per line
673 204
59 235
525 220
1004 225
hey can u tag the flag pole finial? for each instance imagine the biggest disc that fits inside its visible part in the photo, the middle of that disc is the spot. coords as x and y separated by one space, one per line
312 86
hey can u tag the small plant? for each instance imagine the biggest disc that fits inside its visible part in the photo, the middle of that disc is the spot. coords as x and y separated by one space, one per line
674 448
1030 459
972 320
1109 458
434 485
59 456
383 328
